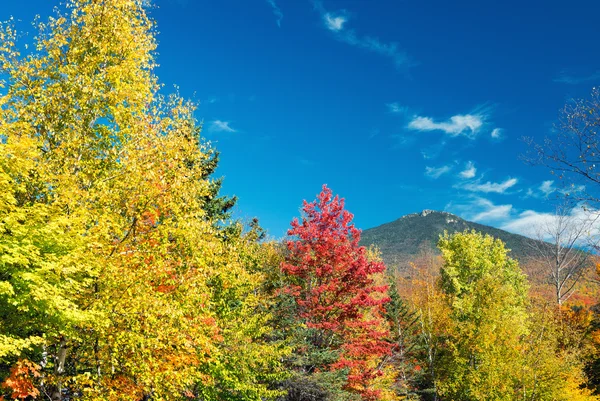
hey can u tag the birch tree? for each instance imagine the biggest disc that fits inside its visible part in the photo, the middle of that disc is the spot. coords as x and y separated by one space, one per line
563 246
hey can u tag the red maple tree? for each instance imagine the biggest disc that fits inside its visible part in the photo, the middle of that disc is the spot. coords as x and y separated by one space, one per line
332 282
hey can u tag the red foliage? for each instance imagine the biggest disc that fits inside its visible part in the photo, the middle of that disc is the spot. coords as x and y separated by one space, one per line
20 381
334 288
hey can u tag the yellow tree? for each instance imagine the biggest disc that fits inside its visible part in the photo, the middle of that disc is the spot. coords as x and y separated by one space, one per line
115 283
486 293
555 352
497 348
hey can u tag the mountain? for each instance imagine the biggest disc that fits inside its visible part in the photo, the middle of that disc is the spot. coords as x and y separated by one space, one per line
401 240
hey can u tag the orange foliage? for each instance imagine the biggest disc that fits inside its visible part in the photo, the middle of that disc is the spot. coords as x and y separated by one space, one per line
122 388
20 381
576 316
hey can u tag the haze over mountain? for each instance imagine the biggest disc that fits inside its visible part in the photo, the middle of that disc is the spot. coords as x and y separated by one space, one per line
401 240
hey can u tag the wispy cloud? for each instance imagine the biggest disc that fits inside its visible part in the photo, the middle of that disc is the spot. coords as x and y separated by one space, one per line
481 210
276 11
491 187
497 133
491 212
572 189
469 171
567 78
336 22
396 108
437 172
467 125
220 126
390 50
547 188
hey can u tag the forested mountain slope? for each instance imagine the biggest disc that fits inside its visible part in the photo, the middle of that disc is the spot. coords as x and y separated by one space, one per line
400 240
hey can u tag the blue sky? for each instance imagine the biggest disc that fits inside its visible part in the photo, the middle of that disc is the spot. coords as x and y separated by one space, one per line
398 106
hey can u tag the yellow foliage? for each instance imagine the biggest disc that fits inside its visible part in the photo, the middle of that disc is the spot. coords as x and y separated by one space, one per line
113 263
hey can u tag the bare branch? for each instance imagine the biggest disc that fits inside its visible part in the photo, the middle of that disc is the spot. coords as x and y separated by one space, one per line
564 244
573 153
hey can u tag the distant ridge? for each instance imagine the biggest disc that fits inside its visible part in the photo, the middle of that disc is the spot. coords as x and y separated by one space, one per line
401 240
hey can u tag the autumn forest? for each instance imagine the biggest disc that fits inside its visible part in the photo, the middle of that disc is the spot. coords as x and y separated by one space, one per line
123 275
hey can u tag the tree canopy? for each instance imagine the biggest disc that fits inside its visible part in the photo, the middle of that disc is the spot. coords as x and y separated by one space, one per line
124 277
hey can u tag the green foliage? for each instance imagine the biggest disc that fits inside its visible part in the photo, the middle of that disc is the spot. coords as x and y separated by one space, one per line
487 297
404 327
217 207
400 241
474 262
123 278
499 346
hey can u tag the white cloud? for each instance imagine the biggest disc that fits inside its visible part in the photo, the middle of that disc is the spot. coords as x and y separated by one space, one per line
488 187
531 223
436 172
491 211
374 45
396 108
482 210
469 171
496 133
276 11
526 221
220 126
547 187
461 124
334 23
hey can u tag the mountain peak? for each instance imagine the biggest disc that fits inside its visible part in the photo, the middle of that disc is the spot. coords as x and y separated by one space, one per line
427 212
401 240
